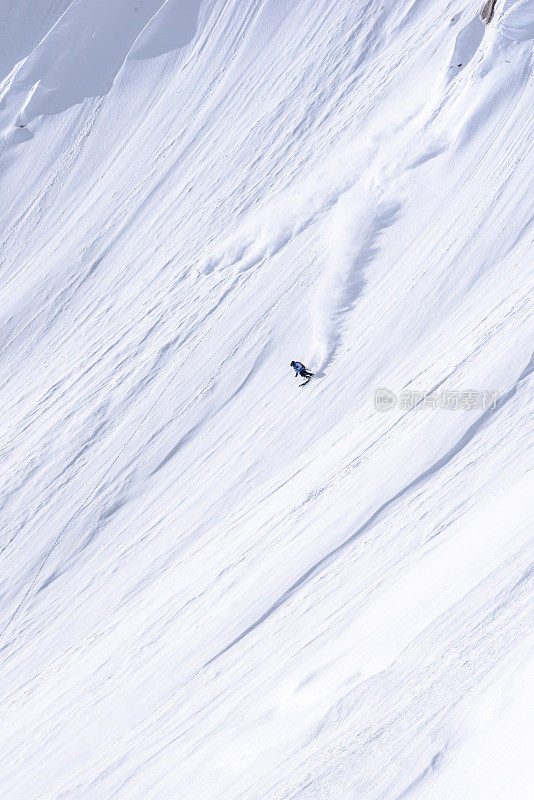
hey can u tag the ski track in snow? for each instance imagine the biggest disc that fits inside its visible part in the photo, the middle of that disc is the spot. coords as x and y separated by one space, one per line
213 584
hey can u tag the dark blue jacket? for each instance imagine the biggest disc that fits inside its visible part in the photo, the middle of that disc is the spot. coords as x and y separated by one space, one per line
298 367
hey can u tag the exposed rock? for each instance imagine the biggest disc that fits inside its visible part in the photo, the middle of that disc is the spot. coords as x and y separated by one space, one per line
487 11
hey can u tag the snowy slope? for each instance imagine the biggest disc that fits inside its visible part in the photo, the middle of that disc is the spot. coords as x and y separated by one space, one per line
216 584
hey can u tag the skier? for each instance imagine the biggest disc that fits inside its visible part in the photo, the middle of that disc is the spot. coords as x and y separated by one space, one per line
301 370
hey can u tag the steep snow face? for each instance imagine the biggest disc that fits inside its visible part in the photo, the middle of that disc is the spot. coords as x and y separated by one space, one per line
24 24
216 584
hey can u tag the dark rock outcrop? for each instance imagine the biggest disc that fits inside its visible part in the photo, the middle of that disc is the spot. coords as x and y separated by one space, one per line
487 11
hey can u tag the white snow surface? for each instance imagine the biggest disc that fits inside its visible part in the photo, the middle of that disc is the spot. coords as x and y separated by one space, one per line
215 584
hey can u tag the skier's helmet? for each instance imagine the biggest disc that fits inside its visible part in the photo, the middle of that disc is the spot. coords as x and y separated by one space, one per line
292 364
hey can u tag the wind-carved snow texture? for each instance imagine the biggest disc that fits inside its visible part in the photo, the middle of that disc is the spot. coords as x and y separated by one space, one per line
215 584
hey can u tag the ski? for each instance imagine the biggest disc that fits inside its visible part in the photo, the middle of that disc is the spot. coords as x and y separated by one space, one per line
302 372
